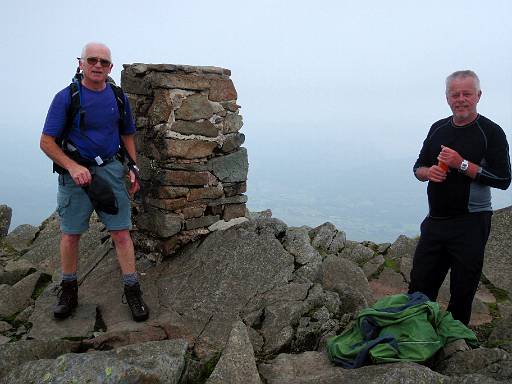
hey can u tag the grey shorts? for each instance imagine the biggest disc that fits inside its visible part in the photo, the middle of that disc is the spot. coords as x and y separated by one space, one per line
75 208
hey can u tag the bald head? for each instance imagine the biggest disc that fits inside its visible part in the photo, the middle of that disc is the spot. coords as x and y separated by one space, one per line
96 64
93 46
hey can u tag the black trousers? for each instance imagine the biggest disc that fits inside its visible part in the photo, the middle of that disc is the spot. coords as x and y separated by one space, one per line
456 244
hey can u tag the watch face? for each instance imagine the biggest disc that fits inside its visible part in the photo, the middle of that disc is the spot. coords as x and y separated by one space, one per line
464 165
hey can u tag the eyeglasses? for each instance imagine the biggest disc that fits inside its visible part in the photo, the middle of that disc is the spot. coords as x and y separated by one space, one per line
94 60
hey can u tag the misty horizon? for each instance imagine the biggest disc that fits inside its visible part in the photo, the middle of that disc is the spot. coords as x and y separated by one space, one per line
335 96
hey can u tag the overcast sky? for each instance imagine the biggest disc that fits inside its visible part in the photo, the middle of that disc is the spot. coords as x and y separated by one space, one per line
335 81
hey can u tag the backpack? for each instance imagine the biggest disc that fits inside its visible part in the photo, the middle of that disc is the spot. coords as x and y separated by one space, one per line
75 112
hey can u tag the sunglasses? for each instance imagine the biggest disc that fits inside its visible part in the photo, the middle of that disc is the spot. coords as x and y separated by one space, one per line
94 60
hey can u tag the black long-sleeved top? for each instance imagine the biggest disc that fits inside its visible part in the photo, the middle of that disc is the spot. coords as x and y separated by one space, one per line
482 142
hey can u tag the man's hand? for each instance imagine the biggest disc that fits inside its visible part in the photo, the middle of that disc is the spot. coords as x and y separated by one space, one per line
436 174
134 184
80 174
450 157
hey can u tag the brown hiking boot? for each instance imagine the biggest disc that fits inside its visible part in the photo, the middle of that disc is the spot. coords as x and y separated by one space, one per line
68 299
133 295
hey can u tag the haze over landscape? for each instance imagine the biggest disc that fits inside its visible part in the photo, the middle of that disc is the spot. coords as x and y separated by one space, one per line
336 96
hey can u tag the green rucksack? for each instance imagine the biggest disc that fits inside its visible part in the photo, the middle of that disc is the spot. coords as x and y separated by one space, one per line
404 327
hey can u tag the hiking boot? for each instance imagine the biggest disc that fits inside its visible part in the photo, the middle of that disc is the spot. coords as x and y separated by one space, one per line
68 299
133 294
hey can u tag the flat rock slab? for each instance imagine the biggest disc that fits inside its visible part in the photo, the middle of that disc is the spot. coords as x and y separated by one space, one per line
491 362
211 282
151 362
13 355
497 266
45 327
315 368
103 287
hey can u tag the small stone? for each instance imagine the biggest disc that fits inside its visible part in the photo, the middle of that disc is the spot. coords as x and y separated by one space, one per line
170 192
222 90
185 178
239 199
222 225
200 222
162 224
322 236
232 211
202 128
168 204
454 347
195 211
162 107
165 80
188 149
4 326
232 142
196 107
24 315
373 265
232 123
230 106
232 189
231 168
21 330
205 193
21 237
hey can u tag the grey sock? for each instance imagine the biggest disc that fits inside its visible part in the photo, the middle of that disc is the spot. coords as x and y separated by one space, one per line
69 276
131 279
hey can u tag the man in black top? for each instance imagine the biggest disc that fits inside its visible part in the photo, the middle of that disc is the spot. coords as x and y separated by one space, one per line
462 157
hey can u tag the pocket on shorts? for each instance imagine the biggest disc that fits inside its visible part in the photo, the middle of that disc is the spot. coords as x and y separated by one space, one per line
63 201
119 169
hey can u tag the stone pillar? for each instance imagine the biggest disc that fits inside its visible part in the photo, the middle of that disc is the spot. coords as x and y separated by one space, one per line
5 219
191 162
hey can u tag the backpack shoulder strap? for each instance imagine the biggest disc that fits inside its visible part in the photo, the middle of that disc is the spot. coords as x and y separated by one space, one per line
73 110
119 94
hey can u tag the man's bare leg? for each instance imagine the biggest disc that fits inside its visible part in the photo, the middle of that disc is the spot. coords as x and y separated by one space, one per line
68 299
126 256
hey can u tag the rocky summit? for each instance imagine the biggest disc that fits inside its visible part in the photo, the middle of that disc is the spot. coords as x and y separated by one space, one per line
253 303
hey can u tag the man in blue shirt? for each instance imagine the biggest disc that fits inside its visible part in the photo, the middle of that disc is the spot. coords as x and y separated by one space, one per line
96 136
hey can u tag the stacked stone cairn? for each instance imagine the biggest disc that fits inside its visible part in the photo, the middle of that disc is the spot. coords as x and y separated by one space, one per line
192 165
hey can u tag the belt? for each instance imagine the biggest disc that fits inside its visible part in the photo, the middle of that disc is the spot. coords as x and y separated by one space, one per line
73 153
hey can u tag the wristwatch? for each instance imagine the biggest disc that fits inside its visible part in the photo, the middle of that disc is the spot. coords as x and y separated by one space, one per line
464 165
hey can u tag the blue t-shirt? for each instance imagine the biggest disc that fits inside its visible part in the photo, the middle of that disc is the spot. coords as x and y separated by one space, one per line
99 133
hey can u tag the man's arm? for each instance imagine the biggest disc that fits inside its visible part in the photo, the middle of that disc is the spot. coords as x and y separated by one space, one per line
496 174
496 168
422 170
129 145
80 175
453 160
